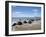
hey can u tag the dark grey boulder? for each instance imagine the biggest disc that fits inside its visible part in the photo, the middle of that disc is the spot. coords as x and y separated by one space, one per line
14 24
19 23
29 22
25 21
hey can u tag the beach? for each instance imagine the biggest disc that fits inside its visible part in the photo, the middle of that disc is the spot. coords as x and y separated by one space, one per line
35 25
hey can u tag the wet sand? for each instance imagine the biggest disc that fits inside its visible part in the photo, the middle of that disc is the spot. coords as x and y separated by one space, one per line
36 25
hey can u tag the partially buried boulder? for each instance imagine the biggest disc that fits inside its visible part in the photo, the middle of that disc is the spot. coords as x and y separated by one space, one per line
14 24
25 21
29 22
19 23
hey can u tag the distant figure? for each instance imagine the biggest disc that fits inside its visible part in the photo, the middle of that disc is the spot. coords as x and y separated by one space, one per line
25 21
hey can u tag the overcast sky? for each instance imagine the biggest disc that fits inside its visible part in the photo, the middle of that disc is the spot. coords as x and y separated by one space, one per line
25 11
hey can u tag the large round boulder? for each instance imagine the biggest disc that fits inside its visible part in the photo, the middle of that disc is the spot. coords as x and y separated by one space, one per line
25 21
29 22
19 23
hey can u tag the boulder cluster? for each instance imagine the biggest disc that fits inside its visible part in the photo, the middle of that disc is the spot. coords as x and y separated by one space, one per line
20 23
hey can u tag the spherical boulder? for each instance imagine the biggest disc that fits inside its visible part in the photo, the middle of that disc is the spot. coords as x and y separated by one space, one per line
29 22
19 23
25 21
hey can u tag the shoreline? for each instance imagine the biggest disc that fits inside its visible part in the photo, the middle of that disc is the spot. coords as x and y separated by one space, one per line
36 25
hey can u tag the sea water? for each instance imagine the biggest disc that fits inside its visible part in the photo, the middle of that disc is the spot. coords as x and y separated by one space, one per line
16 19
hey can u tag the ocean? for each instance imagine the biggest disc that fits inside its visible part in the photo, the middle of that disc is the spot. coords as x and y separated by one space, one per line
16 19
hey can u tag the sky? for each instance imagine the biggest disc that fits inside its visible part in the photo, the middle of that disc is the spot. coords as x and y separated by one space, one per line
26 11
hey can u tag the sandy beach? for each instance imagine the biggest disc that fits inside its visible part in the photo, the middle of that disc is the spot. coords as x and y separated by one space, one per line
35 25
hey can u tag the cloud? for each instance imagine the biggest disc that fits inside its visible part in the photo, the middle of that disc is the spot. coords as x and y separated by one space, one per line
21 15
18 12
35 10
18 15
